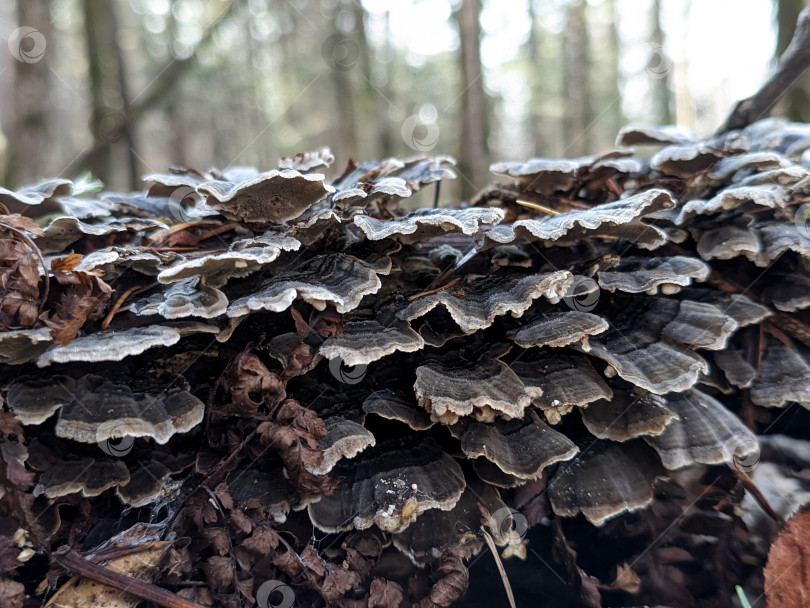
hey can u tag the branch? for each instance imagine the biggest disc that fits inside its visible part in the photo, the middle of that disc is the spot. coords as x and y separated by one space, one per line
77 564
792 65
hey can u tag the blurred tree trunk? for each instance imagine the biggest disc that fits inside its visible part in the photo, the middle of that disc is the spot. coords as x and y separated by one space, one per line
386 98
473 154
345 54
28 143
374 104
616 114
174 107
796 104
658 69
576 81
113 125
108 92
536 93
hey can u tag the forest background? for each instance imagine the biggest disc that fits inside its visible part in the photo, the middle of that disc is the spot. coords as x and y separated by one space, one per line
122 88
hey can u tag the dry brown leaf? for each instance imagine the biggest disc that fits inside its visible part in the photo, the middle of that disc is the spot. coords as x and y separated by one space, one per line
451 586
333 581
263 541
68 262
297 451
219 571
219 539
294 436
626 579
384 594
76 297
8 555
251 385
12 594
787 573
19 282
9 424
20 222
363 549
14 471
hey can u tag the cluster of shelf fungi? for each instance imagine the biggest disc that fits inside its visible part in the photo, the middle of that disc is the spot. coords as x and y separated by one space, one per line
277 377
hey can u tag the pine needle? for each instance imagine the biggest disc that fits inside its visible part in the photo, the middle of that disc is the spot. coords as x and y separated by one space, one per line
504 579
741 594
542 208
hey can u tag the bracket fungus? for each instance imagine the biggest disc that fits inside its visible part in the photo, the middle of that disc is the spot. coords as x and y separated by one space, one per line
483 389
627 415
389 486
703 432
604 481
266 198
557 329
388 380
476 305
339 280
240 260
634 275
363 342
87 476
110 345
189 298
521 448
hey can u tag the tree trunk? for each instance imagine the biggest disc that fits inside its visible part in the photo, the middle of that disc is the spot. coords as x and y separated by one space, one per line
28 136
386 100
796 103
127 128
473 154
155 94
107 84
576 81
174 108
342 61
616 114
658 70
539 135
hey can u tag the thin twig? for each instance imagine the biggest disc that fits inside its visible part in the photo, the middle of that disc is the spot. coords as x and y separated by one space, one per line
117 306
432 291
752 488
218 230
